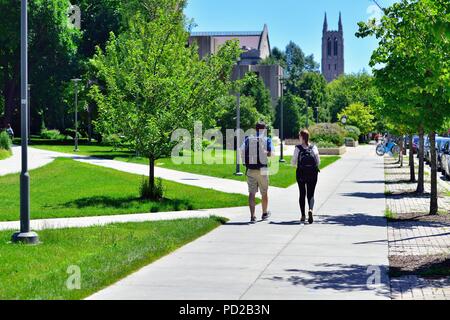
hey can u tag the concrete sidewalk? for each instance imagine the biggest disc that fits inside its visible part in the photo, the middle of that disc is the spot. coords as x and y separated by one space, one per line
83 222
333 259
39 158
36 159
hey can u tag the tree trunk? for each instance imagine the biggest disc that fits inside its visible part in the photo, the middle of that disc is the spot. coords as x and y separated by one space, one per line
400 156
89 109
412 168
151 176
434 209
420 185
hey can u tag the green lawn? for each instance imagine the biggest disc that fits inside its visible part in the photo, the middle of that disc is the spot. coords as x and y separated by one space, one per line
104 255
92 150
67 188
282 178
4 154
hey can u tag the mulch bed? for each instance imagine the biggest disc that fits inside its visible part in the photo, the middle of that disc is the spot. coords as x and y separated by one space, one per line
434 266
420 217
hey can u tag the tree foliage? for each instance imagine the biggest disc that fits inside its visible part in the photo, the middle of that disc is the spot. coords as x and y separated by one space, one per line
155 84
360 116
412 68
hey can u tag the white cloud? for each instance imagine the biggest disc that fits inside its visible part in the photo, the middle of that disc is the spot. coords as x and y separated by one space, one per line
374 12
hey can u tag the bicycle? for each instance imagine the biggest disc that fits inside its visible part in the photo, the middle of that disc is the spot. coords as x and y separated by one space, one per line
387 148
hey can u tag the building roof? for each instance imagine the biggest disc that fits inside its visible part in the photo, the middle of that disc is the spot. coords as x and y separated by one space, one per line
249 40
226 34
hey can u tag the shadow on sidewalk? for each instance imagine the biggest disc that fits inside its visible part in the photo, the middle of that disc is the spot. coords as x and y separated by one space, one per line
339 277
365 195
355 220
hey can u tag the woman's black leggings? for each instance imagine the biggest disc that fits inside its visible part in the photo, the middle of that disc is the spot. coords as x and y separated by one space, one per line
307 189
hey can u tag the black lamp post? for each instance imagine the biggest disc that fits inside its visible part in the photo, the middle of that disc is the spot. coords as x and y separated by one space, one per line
238 122
282 81
25 235
76 81
307 95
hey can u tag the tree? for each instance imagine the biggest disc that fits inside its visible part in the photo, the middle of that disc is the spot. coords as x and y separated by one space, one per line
414 50
359 116
227 114
154 84
352 88
253 86
294 115
316 84
295 60
277 57
52 57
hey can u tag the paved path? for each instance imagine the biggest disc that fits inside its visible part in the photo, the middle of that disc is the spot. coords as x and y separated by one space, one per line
82 222
39 158
332 259
36 159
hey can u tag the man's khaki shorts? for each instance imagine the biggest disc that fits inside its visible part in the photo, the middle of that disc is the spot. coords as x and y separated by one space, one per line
258 180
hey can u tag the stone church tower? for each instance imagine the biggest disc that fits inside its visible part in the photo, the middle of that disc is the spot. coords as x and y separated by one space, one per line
332 51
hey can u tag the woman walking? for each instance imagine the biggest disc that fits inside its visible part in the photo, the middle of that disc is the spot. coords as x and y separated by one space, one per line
307 160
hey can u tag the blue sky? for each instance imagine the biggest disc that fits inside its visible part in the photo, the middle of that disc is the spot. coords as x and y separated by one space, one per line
298 20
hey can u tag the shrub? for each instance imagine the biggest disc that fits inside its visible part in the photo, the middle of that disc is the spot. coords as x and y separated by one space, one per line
328 133
5 141
148 192
324 144
353 132
70 134
52 135
112 139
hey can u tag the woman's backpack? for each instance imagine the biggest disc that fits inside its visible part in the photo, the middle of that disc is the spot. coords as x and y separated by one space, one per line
307 163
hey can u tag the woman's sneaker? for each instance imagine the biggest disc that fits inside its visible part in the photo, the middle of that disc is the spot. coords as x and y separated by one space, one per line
266 216
253 220
310 217
303 219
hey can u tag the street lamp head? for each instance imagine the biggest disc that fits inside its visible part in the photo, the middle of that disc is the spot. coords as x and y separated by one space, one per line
76 80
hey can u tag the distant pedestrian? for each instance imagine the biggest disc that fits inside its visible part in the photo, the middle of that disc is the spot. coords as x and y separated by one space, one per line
10 131
307 160
255 152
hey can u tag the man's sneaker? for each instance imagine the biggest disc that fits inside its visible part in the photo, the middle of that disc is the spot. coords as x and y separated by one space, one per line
310 218
266 216
253 220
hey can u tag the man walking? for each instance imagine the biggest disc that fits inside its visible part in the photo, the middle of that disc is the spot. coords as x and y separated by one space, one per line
255 152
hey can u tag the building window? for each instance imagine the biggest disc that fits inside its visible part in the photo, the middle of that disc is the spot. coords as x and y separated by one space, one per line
329 67
329 47
335 67
335 47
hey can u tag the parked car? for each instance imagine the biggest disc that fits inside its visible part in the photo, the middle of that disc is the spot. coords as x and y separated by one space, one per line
440 142
440 152
415 143
445 160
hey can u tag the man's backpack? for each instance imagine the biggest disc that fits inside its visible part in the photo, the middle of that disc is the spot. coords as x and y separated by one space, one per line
307 160
255 156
